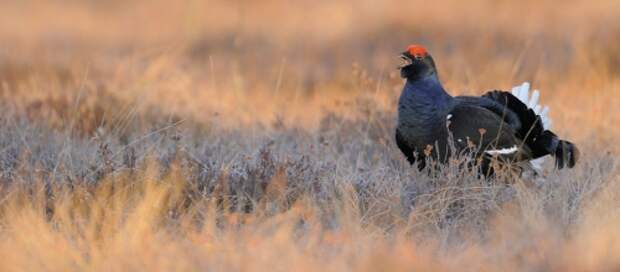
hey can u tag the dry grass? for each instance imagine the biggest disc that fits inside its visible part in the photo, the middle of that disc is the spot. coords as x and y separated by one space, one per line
257 135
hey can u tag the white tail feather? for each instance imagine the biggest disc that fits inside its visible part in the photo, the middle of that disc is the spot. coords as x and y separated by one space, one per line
534 99
537 164
522 92
546 121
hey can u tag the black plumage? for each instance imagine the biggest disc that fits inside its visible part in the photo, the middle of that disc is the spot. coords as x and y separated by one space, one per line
494 125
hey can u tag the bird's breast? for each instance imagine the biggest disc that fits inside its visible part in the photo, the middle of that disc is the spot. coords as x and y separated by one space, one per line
420 128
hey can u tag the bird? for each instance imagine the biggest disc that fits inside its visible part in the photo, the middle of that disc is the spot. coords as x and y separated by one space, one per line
500 126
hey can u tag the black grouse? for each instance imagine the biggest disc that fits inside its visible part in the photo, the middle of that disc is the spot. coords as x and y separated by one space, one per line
498 125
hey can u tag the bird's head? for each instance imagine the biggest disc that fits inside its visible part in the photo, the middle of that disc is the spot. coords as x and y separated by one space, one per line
416 63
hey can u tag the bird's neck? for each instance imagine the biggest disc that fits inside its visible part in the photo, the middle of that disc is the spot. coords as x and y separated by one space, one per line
426 92
423 107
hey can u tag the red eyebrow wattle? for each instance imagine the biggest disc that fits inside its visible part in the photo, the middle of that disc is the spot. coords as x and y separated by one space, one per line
417 50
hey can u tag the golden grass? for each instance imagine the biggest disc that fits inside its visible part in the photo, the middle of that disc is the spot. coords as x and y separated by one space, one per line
140 222
291 103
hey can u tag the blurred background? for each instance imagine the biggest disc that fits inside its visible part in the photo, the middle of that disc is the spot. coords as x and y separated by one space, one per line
170 135
240 63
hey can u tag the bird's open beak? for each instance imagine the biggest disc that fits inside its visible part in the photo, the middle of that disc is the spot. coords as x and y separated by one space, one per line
404 61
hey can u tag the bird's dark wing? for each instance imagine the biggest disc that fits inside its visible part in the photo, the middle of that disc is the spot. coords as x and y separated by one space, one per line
486 132
527 126
531 124
499 107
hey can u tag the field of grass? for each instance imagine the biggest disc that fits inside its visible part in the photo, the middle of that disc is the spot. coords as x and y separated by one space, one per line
258 135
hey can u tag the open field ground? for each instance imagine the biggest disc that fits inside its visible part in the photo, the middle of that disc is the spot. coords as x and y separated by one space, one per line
258 135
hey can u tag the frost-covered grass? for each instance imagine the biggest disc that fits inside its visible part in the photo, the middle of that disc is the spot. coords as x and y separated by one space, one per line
259 136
